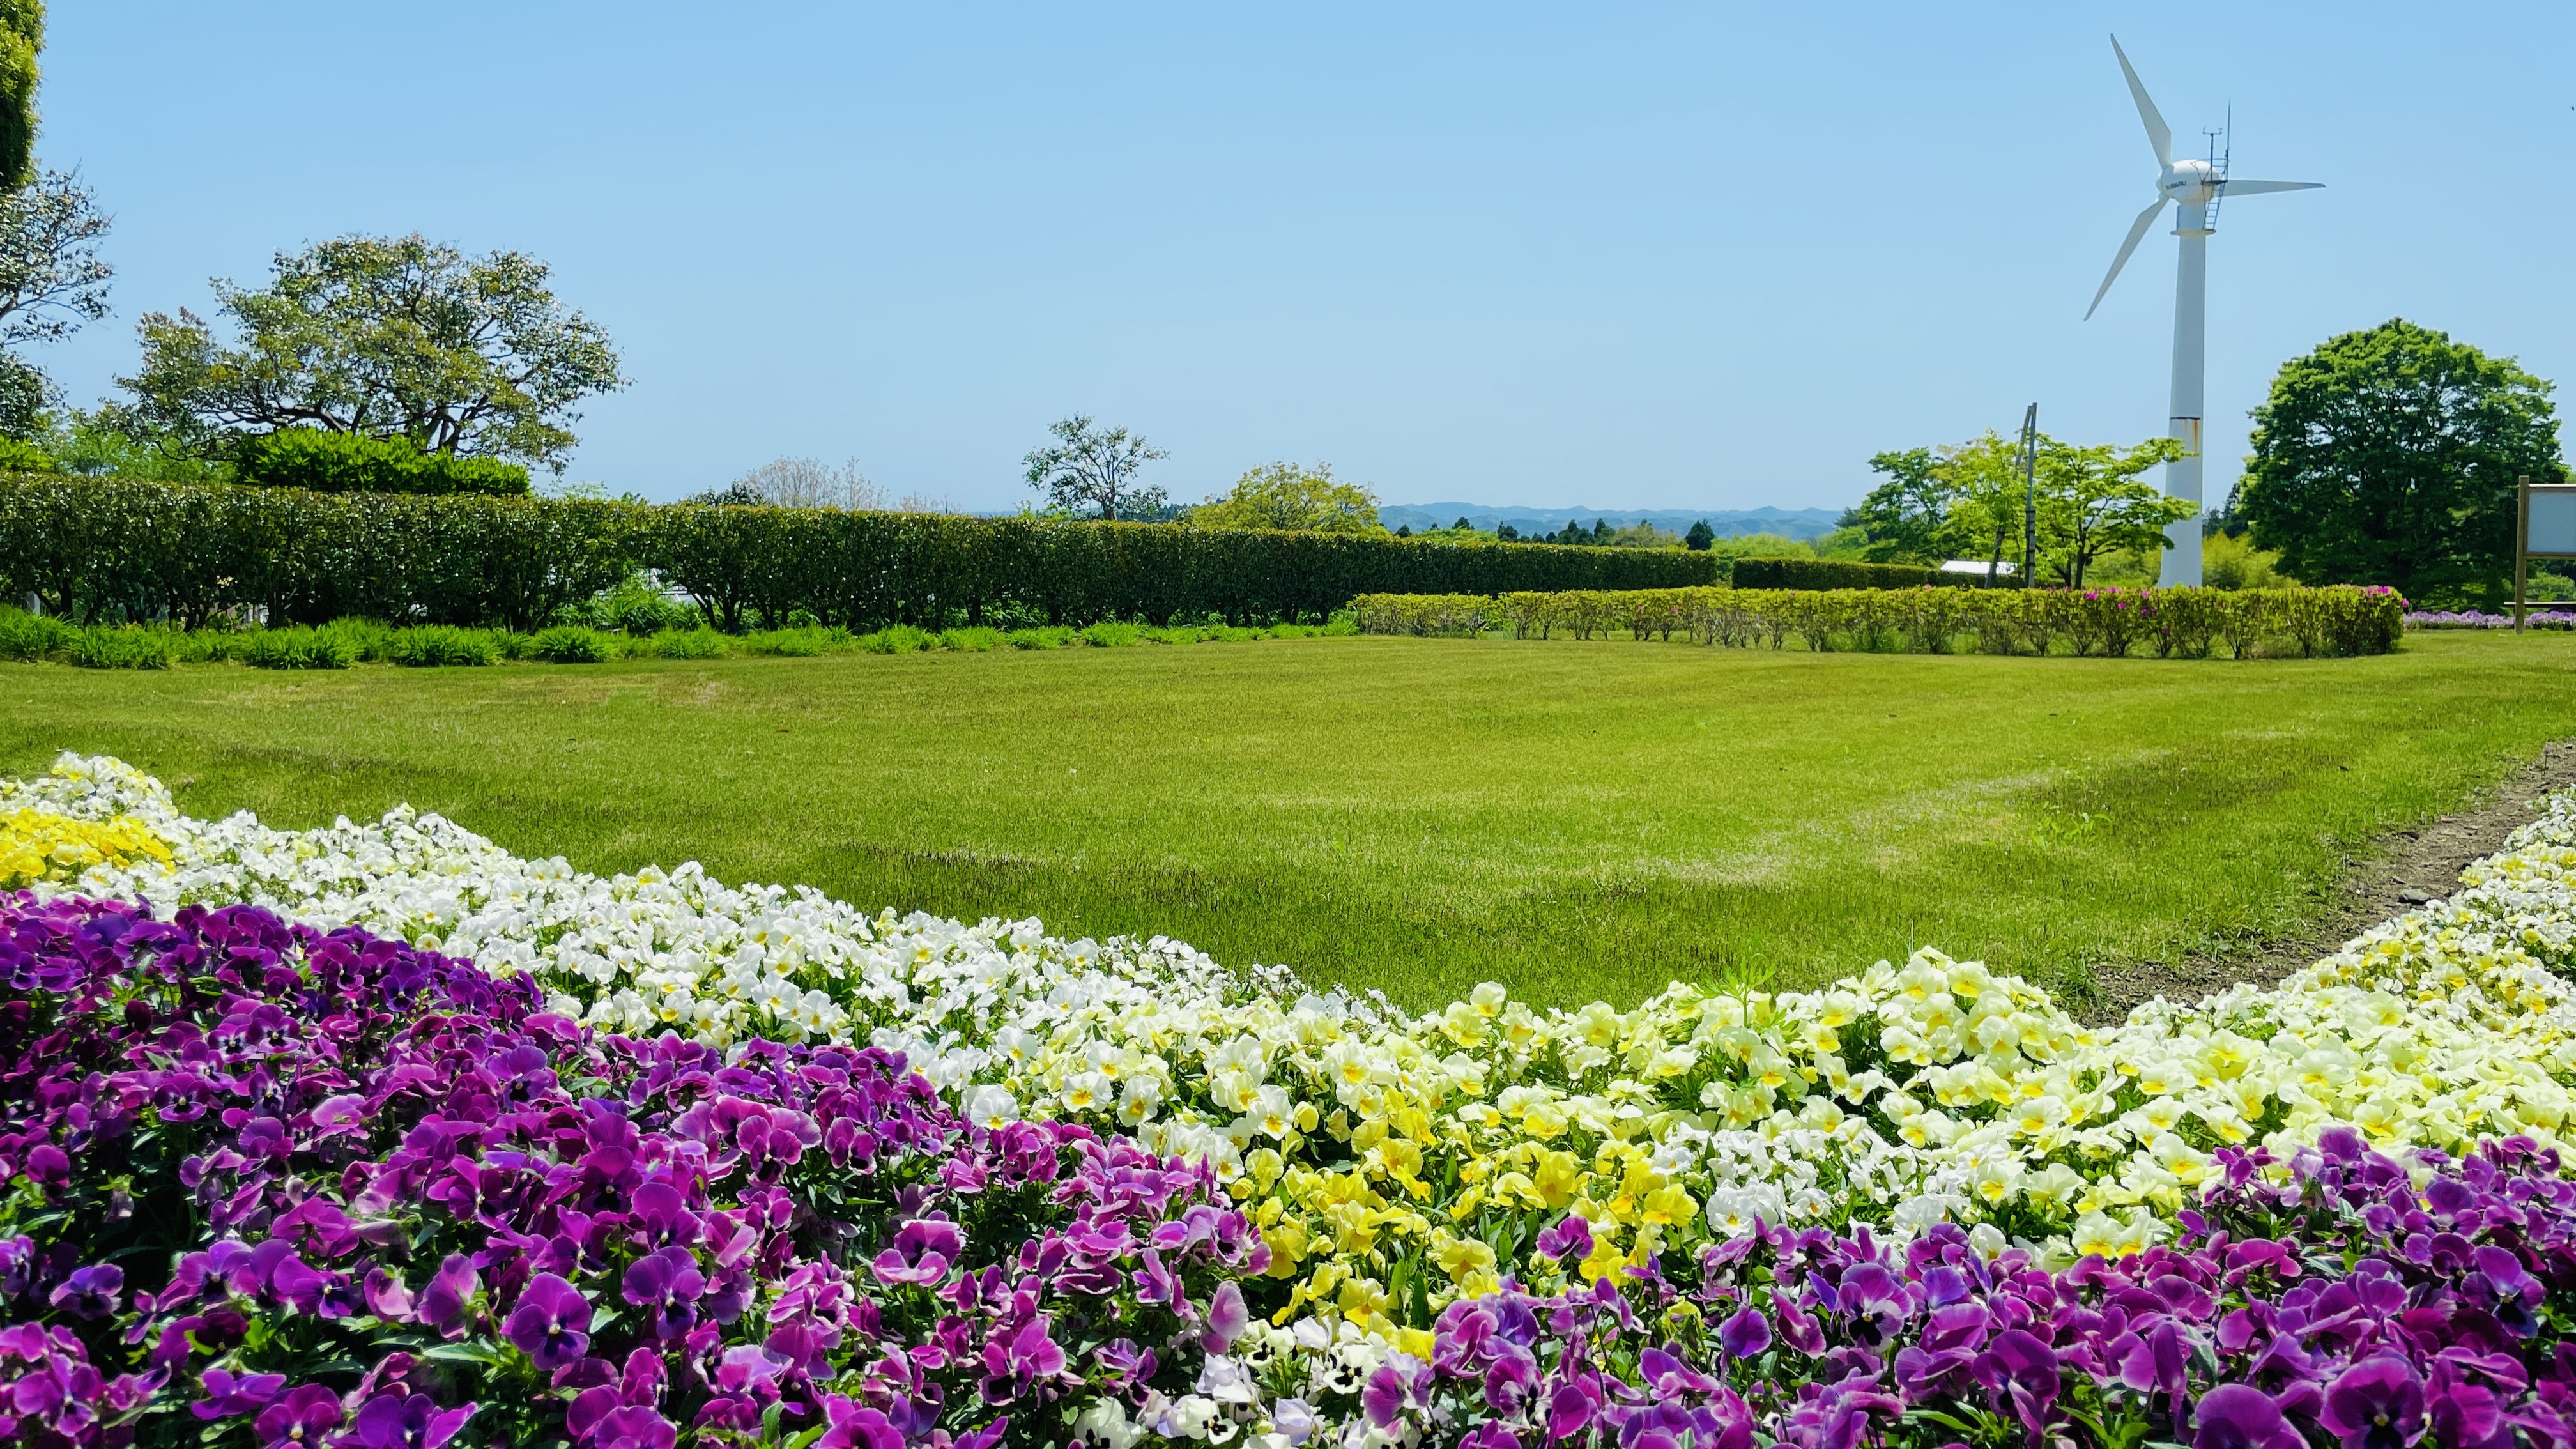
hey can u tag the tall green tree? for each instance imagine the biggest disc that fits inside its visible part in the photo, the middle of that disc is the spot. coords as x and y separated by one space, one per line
1091 471
2389 456
393 337
1292 496
22 35
2096 500
1988 495
1907 518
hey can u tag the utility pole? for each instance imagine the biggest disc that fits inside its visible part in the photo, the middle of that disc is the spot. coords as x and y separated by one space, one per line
2029 495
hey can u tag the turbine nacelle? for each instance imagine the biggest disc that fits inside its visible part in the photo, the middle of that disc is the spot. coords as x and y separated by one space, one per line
2189 182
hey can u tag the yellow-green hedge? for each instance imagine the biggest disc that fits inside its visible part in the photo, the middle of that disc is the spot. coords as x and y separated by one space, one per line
2191 623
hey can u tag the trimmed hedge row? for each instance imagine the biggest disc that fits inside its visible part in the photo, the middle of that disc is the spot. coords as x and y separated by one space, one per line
2188 623
1825 573
111 549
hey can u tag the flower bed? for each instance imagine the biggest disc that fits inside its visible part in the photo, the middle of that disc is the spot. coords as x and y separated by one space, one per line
1408 1171
329 1186
2473 619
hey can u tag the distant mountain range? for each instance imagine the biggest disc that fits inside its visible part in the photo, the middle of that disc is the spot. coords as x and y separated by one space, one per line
1805 523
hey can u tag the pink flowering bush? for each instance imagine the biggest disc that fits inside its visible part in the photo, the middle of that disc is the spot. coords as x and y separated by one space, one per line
273 1187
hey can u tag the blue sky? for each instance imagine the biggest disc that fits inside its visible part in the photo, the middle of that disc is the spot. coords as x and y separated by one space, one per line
1630 256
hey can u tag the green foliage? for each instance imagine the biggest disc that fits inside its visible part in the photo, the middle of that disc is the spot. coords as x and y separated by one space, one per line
636 605
2171 623
1907 518
2093 500
1700 537
2390 457
2235 563
572 644
384 337
328 647
1974 500
103 646
22 35
103 550
698 643
329 462
1090 471
1817 573
112 442
1291 496
443 646
25 636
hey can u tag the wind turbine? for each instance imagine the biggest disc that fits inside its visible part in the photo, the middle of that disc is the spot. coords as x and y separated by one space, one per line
2195 187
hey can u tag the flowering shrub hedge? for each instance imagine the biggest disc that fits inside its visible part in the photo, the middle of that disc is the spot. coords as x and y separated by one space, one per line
2189 623
278 1186
1402 1169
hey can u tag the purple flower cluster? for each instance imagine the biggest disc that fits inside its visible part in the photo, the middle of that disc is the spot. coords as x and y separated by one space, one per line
2346 1307
2474 619
328 1190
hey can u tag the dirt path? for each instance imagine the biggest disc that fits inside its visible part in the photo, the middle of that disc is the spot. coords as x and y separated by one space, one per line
2408 868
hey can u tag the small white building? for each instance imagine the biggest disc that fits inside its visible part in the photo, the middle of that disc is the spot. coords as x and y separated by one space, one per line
2003 570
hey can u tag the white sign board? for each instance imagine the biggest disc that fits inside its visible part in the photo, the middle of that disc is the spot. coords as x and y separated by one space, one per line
2553 521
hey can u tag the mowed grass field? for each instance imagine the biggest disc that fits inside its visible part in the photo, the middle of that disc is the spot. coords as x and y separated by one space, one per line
1573 819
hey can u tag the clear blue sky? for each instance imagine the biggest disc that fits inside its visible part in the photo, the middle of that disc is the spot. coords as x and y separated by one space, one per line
1631 256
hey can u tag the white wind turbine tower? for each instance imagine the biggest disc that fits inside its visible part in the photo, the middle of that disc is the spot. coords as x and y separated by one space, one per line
2195 187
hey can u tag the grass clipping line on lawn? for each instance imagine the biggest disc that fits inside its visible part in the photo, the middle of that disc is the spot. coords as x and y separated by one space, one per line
1396 1162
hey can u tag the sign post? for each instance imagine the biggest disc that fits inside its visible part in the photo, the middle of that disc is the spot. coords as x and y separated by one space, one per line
2544 527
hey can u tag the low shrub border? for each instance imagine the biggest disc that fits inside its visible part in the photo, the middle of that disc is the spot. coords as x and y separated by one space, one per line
2185 623
342 643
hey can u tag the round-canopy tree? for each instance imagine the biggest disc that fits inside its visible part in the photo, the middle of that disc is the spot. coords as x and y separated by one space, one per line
2389 457
383 337
1292 496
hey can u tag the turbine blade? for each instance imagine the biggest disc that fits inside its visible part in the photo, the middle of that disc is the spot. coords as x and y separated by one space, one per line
2137 233
2257 188
2158 134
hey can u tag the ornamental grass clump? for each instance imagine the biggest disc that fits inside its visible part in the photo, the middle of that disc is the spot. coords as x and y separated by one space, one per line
442 646
572 644
275 1185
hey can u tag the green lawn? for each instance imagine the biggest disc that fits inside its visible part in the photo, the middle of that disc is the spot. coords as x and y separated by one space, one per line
1573 819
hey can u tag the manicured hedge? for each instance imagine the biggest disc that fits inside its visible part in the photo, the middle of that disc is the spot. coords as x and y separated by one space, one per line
1821 573
2184 623
97 550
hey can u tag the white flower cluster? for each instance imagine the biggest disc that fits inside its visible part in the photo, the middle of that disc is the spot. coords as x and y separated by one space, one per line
1379 1149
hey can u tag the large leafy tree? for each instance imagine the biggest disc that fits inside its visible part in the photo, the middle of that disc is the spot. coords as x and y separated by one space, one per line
2389 457
22 34
1905 519
1292 496
1091 471
2096 500
384 337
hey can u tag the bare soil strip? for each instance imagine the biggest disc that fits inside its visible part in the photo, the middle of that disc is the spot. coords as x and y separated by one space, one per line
2406 869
